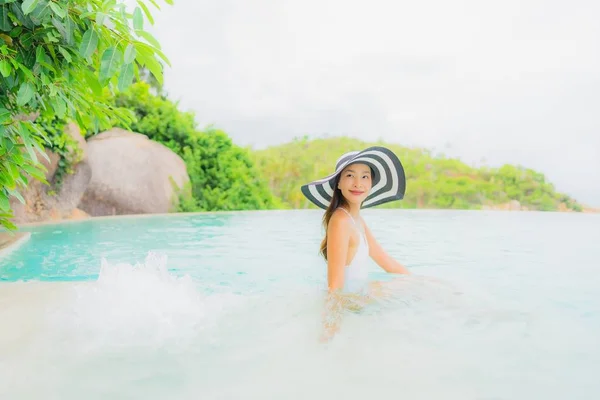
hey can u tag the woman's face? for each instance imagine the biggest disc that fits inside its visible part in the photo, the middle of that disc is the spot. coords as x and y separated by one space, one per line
355 183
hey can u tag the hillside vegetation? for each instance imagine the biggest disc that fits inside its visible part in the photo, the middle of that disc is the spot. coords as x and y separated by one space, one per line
225 176
222 175
432 181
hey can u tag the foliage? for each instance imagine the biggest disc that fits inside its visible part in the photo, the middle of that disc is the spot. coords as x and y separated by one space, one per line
222 175
432 181
62 144
56 59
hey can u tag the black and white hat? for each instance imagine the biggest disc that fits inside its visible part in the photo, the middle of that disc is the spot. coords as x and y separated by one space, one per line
388 179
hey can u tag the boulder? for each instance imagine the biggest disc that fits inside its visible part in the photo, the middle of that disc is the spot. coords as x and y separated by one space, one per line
514 205
58 200
131 174
74 185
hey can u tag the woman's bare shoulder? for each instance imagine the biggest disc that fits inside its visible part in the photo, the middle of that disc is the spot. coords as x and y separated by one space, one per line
339 220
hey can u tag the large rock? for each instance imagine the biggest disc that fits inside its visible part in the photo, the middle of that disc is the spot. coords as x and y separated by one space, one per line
58 200
75 184
131 174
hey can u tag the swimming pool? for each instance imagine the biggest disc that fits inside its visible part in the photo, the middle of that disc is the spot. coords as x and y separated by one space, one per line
227 306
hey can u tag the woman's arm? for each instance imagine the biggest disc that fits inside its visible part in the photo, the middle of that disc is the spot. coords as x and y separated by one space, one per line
338 237
384 260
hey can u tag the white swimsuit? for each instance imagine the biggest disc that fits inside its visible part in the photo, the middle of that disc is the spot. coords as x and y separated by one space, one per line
356 273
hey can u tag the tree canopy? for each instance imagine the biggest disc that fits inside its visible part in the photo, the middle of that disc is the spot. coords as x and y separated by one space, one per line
57 60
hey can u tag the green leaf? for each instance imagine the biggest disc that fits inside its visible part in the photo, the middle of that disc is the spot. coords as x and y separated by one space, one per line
155 4
26 72
16 194
24 94
149 38
89 42
26 138
7 224
146 11
62 28
40 12
4 115
58 10
109 63
65 54
47 66
52 37
5 68
129 54
28 6
12 173
4 202
40 54
45 80
5 24
138 19
126 76
67 101
152 50
27 40
109 4
24 19
100 17
16 31
164 58
156 69
34 172
52 50
59 106
70 26
36 129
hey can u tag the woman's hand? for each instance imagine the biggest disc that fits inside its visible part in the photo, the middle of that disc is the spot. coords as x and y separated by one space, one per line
332 315
384 260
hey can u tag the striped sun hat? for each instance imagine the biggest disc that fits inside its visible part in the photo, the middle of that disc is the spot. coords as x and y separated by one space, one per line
388 179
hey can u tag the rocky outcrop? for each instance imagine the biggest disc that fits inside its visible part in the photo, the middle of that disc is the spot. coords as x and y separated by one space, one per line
591 210
113 173
74 185
58 200
131 174
513 205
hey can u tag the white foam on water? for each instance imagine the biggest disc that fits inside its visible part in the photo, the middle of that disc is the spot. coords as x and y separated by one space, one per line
140 304
91 330
142 332
427 340
398 346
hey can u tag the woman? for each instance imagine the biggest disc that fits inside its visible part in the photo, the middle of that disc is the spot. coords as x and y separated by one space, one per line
361 179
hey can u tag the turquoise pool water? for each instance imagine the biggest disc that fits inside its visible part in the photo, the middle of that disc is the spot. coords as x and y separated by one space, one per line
227 306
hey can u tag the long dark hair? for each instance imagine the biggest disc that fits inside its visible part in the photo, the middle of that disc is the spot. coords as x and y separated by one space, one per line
337 200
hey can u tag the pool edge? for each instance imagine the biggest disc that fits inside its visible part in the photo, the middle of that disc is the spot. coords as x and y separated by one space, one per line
282 210
145 215
11 241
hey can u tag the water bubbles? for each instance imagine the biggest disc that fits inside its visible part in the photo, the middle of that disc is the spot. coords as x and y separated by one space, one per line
137 305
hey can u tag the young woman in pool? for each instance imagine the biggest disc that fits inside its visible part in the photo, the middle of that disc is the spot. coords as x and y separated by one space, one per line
361 179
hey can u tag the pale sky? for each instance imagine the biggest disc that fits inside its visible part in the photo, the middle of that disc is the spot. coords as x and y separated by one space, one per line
504 82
